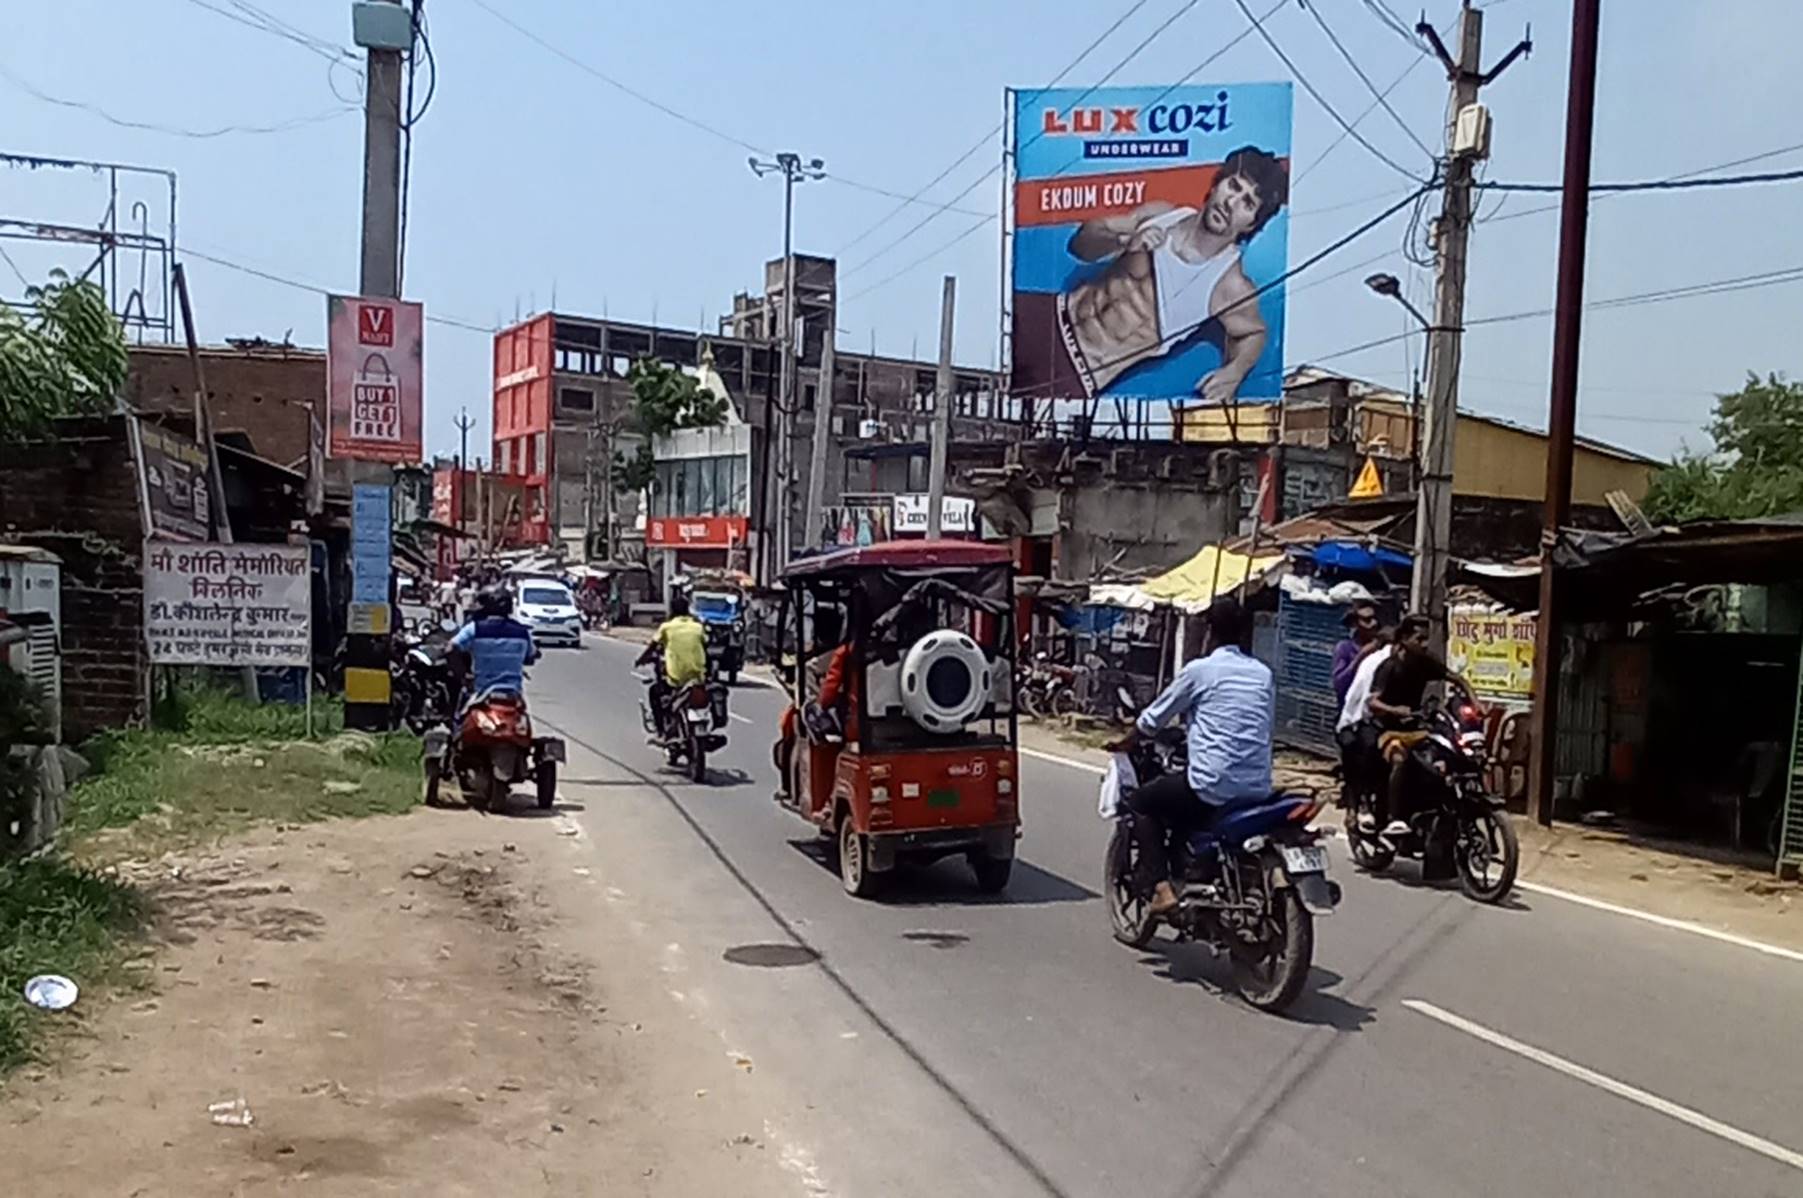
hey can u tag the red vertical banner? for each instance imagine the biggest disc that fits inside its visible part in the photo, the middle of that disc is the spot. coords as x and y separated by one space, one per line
375 376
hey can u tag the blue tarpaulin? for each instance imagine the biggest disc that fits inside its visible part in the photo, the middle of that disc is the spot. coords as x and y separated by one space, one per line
1352 558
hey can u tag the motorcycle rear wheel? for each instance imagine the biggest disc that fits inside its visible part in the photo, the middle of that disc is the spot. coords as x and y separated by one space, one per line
547 785
1132 926
1273 981
1064 702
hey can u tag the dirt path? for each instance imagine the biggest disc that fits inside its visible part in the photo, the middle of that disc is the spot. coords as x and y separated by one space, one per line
384 997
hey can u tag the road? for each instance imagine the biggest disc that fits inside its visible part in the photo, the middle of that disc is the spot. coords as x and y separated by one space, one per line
938 1041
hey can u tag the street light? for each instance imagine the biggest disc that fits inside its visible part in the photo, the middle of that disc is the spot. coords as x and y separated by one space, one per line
793 170
1390 287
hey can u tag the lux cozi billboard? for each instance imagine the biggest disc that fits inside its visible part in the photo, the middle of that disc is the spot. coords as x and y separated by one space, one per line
1148 224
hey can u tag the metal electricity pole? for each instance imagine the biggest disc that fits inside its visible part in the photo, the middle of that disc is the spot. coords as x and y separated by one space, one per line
465 422
815 511
793 170
942 413
1433 512
1574 220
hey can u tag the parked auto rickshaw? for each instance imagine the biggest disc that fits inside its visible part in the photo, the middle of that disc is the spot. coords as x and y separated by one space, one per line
900 745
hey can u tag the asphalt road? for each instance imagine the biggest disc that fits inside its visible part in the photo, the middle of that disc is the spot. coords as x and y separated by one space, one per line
938 1041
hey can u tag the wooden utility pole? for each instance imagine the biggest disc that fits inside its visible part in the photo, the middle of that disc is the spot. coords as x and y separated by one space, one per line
942 413
823 439
203 432
1433 511
1574 219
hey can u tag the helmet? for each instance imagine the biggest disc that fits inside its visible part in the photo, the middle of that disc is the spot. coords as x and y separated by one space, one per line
494 600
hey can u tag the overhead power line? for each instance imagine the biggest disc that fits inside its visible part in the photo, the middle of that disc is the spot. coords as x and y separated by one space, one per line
1762 156
1258 24
1673 184
989 137
252 17
1381 97
187 251
1358 120
1772 278
36 93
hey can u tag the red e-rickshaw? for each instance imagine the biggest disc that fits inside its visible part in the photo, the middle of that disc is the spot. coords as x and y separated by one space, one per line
900 744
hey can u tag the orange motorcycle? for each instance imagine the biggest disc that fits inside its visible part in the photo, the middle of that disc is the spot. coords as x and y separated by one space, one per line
492 748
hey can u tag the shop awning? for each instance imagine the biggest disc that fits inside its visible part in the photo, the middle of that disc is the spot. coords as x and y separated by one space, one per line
1192 586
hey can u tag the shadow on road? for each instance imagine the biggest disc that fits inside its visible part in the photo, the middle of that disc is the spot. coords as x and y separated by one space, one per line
1408 874
1191 963
523 808
948 883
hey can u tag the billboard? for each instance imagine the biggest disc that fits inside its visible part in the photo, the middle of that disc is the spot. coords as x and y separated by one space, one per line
374 378
1146 221
175 483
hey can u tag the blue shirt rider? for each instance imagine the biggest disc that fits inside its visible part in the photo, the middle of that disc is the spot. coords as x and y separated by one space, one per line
1227 700
498 646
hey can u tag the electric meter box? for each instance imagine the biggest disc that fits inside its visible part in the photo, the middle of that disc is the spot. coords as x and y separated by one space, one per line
1471 132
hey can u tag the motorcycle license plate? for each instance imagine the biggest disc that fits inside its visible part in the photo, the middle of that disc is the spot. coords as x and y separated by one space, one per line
699 715
1304 859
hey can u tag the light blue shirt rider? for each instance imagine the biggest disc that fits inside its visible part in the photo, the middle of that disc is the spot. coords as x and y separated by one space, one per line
1228 700
500 649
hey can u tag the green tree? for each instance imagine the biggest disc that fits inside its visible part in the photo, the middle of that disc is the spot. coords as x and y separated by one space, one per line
664 399
63 355
1756 467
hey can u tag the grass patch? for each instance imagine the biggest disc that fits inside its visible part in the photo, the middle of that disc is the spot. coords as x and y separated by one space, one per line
55 917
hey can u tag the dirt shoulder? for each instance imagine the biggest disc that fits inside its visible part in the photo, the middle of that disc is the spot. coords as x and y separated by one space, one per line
387 998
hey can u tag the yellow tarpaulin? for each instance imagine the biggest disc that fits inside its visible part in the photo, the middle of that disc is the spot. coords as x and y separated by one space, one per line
1194 585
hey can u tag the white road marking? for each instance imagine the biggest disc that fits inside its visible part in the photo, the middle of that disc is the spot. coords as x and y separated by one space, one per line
1070 762
735 715
1664 921
1652 1102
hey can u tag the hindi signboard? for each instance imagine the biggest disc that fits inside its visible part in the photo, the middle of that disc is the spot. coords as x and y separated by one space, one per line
227 605
1493 650
374 378
1150 242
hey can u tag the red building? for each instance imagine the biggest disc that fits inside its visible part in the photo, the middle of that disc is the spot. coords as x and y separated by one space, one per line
524 450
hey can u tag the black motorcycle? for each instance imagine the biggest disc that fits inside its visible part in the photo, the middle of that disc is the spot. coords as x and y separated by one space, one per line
422 685
1455 825
687 723
1251 882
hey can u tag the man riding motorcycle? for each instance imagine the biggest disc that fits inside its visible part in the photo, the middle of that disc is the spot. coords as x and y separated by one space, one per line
682 643
1397 689
493 649
1227 700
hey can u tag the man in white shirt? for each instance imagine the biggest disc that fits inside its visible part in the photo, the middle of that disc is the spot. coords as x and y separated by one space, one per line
1356 734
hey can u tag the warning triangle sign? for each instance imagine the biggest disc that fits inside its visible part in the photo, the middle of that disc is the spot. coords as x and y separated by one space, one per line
1370 484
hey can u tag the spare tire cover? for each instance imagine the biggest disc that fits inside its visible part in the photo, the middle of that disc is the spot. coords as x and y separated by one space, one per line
945 681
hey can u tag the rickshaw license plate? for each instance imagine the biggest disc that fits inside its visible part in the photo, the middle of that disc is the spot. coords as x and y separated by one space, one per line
942 798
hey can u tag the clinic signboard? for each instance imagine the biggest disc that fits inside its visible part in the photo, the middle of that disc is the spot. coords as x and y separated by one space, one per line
375 378
209 604
1149 240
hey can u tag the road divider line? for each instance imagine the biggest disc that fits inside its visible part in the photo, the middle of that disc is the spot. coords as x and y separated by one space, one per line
1070 762
1591 1077
1664 921
735 715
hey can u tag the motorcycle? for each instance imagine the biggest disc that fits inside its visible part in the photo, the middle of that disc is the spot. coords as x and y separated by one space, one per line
687 724
1250 882
1455 824
1046 689
489 748
423 687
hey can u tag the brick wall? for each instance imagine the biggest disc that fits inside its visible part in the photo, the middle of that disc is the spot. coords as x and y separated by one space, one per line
77 496
261 393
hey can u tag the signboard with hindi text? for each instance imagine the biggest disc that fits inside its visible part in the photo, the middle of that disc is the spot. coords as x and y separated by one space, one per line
1493 650
374 378
227 605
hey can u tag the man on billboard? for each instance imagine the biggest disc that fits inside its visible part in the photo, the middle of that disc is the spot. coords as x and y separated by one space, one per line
1171 274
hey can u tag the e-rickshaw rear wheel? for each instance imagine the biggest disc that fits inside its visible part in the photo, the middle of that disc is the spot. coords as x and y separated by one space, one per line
855 873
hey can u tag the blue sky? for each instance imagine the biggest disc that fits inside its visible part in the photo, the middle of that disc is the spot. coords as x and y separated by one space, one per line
533 178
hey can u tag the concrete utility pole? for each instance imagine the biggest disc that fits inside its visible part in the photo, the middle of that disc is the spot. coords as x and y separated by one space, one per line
1433 512
793 170
942 413
823 439
1574 221
382 170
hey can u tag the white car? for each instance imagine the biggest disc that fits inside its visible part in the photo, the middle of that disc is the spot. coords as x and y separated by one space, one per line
550 611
